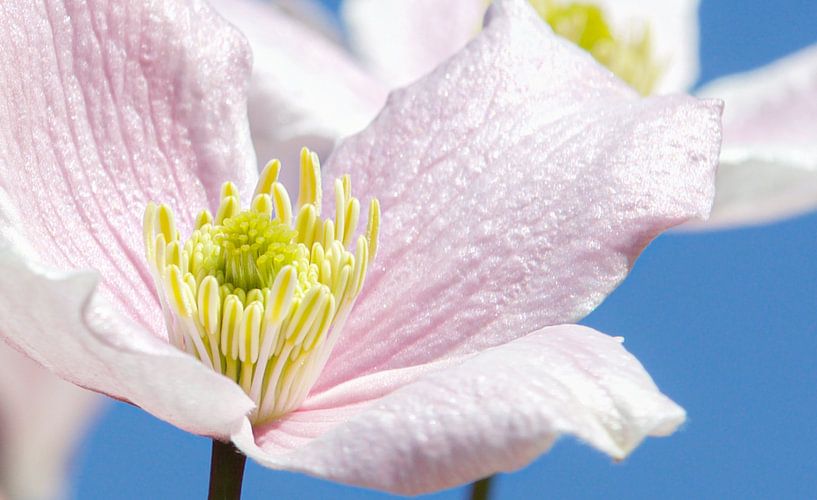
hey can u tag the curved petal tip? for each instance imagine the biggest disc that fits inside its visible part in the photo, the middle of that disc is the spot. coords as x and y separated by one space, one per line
65 325
454 423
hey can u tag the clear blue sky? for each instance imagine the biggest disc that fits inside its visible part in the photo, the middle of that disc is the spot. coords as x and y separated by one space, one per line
725 322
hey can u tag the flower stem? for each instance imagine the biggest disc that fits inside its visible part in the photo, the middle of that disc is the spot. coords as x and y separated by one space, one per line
481 490
226 471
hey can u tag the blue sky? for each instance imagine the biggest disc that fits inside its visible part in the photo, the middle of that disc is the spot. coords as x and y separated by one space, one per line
725 322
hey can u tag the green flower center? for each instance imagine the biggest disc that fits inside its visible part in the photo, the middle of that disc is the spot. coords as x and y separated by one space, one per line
254 293
585 25
255 249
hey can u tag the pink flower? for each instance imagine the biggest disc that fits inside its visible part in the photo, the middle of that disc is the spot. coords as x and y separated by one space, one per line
519 182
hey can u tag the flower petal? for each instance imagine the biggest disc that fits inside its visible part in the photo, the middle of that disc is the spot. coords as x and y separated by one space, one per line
402 41
60 321
305 91
518 183
37 445
673 30
104 106
495 411
769 161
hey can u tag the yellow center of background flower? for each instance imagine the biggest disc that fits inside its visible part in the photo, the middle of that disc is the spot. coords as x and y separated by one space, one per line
585 24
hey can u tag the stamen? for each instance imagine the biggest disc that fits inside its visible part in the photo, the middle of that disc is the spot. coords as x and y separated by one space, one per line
203 218
268 177
283 207
254 293
310 191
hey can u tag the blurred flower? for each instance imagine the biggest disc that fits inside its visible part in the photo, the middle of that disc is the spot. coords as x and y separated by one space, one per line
518 183
292 105
768 166
42 419
401 40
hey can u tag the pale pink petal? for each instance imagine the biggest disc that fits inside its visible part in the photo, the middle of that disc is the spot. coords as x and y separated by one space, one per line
673 29
495 411
60 321
403 40
305 90
519 182
42 420
104 106
769 160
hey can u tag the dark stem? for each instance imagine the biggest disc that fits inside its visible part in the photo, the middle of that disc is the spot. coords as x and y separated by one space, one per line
226 472
481 490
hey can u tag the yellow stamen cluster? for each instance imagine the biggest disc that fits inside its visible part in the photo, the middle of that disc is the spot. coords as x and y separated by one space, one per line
585 25
259 295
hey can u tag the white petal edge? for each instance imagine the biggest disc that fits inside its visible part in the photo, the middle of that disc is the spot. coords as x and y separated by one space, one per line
491 412
768 167
58 319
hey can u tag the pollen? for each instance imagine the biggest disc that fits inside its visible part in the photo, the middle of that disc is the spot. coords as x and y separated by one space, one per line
260 294
630 58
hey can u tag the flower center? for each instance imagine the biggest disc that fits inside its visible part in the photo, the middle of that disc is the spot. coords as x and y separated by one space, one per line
585 25
260 295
